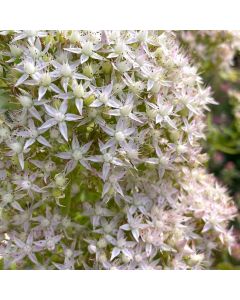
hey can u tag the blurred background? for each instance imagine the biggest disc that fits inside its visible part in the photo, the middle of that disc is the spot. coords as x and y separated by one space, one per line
217 56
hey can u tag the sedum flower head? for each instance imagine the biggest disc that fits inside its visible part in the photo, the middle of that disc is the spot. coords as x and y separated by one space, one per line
101 158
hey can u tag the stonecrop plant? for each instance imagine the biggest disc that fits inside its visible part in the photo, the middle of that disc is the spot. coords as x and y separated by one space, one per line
213 51
101 159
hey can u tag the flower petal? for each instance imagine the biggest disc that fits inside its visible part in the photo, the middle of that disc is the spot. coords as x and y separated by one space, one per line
41 92
35 113
49 123
50 110
22 79
115 252
72 117
79 105
63 130
21 160
43 141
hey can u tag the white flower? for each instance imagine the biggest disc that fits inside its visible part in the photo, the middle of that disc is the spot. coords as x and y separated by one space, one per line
129 191
59 117
77 154
87 50
119 135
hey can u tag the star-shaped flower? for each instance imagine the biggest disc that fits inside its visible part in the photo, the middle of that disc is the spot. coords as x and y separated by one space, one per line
59 117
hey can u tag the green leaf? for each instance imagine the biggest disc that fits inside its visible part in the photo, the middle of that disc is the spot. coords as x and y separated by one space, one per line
6 101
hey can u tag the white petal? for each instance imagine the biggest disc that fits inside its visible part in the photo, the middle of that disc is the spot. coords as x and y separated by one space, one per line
125 227
97 56
115 252
108 130
64 155
127 252
74 50
85 164
118 188
106 188
49 123
114 103
37 189
65 83
135 118
19 243
148 249
71 165
21 160
96 103
97 158
30 238
50 110
21 79
55 88
79 105
43 141
63 130
41 92
29 143
84 58
17 206
105 170
152 160
150 84
85 148
35 113
159 119
114 112
72 117
81 77
170 122
33 258
135 234
75 143
109 143
63 107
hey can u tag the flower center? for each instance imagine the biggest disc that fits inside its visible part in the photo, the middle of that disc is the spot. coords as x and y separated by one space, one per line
27 249
16 147
66 70
164 160
26 184
34 133
7 198
25 101
87 49
45 222
4 132
125 110
29 68
46 80
77 154
93 113
107 157
120 137
103 99
78 92
59 116
68 253
108 228
49 166
60 180
31 33
50 245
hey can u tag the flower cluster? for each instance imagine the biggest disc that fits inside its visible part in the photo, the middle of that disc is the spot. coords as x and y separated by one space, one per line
212 50
101 161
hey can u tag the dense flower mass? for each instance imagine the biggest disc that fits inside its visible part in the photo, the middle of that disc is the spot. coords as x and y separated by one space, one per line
101 162
212 50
